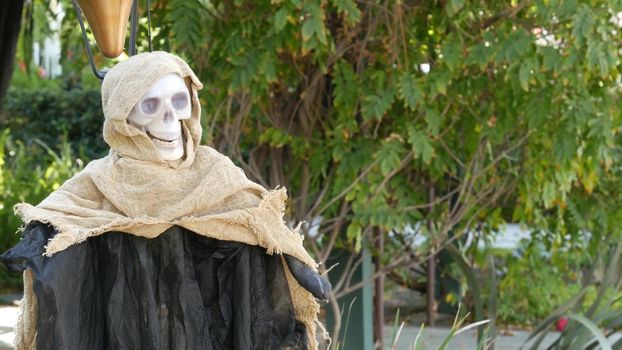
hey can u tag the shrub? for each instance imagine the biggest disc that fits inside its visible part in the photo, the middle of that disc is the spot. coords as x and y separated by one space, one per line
28 173
51 114
536 283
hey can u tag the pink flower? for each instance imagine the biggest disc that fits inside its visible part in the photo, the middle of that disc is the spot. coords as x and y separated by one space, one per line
561 324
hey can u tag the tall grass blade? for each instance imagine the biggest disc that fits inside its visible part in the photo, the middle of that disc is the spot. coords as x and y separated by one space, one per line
394 329
455 329
417 344
471 326
397 336
484 340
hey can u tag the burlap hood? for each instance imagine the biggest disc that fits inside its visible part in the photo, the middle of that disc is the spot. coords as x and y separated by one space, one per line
133 190
123 87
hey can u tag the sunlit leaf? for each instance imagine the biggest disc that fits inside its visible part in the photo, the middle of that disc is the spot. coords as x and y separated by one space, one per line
410 91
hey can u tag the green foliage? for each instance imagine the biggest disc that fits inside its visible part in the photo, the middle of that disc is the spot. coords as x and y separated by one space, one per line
21 79
489 87
510 89
515 120
27 174
593 320
42 132
410 92
53 114
553 280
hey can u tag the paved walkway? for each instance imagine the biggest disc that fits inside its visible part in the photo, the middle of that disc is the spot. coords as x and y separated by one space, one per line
430 339
8 316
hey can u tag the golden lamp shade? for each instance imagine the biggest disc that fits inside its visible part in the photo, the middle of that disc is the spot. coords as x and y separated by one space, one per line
108 21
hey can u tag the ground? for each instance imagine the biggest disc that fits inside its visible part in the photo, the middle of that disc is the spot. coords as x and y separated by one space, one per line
431 337
8 316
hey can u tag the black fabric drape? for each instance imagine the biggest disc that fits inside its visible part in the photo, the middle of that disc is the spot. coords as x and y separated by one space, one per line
177 291
10 19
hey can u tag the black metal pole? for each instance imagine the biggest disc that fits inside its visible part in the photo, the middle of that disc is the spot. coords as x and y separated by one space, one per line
133 27
149 23
87 45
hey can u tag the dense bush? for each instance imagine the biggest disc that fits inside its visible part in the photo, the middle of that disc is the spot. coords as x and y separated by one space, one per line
51 114
46 135
553 280
28 173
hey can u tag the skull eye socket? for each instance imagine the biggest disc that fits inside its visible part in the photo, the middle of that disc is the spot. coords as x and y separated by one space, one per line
150 105
180 100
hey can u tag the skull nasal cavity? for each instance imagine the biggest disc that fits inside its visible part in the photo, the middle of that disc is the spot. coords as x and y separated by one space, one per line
168 117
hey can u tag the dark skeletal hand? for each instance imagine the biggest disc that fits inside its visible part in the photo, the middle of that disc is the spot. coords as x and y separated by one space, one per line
308 279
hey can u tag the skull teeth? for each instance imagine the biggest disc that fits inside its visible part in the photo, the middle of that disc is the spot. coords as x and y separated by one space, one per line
164 142
169 144
163 139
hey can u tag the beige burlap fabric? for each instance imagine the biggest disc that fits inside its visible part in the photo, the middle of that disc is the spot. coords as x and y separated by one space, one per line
134 190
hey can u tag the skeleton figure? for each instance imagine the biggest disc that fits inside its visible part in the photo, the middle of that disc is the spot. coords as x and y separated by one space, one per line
159 114
164 243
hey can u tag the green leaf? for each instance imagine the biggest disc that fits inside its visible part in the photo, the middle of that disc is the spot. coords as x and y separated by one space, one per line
549 194
565 146
516 45
421 144
314 24
524 74
583 23
409 91
349 10
598 55
375 106
187 22
453 6
340 151
480 54
389 155
440 79
353 234
452 51
345 90
275 137
280 19
434 120
537 108
550 58
267 67
573 57
522 41
245 69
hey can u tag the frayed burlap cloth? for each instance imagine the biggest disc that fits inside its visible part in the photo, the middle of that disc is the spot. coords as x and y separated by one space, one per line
134 190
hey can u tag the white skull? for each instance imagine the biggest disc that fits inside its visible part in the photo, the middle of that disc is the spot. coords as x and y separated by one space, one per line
159 113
